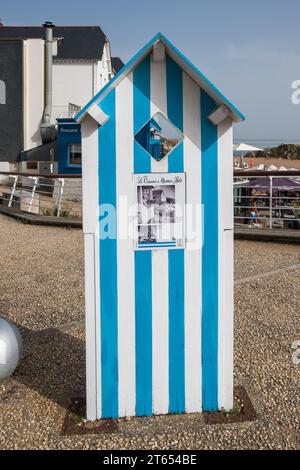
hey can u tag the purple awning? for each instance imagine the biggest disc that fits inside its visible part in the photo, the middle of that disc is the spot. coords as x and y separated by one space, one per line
279 184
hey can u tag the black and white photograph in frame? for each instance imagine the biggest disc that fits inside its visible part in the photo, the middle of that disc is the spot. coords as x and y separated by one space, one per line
160 199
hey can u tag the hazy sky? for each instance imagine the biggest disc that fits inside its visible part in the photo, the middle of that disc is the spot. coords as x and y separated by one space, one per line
250 50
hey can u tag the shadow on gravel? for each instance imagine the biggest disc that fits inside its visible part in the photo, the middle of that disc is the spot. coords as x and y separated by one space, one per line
53 364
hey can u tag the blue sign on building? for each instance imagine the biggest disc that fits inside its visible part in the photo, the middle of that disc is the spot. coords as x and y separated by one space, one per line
69 146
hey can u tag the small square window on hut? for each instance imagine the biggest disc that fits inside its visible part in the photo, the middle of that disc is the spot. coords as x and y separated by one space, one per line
159 136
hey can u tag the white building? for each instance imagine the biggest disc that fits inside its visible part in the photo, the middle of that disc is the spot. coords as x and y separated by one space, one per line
82 64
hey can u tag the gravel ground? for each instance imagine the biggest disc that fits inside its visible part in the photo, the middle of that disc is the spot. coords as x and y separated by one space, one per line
41 290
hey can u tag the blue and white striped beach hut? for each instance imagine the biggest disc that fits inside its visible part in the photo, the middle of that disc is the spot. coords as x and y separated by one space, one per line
159 313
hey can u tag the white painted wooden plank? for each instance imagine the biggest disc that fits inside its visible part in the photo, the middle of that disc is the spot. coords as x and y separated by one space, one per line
225 316
96 113
92 286
125 252
160 269
193 303
89 131
98 325
160 331
90 327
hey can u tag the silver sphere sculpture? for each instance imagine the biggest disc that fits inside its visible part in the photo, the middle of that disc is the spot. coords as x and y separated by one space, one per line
10 348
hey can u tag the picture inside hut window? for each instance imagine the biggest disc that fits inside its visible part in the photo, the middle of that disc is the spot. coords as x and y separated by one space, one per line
74 154
160 206
159 136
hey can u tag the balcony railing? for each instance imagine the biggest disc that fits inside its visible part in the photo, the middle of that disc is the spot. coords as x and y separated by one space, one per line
267 200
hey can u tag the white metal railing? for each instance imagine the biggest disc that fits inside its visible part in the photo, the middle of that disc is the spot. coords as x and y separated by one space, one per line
41 194
275 199
65 111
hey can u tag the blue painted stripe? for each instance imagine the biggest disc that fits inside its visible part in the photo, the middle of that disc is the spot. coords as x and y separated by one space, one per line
174 92
176 332
157 246
209 191
143 259
176 257
156 243
108 265
175 110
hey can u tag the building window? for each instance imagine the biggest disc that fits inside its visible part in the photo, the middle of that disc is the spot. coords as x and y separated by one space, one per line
2 92
31 166
74 151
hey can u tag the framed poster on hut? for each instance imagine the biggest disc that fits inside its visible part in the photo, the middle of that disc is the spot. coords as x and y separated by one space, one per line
160 202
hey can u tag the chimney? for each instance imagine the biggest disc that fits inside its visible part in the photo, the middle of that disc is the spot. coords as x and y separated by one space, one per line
47 130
